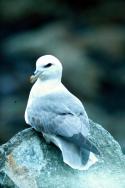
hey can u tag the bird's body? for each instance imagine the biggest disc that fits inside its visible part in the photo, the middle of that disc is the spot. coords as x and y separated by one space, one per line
60 116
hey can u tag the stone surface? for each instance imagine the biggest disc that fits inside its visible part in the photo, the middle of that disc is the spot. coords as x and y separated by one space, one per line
27 161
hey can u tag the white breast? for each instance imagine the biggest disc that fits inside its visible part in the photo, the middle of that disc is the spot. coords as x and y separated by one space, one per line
40 89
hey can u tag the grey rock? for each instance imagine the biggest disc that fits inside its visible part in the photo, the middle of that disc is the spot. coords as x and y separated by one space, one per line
27 161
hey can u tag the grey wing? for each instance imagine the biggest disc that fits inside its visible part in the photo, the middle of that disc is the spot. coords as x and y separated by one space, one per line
61 114
65 115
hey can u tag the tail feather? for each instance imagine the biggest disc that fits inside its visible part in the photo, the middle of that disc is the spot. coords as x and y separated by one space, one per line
83 142
90 147
84 155
76 157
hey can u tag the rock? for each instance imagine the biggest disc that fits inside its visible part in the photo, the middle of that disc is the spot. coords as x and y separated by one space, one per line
27 161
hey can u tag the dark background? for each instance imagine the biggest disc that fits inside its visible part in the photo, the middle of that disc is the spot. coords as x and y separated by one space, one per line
89 39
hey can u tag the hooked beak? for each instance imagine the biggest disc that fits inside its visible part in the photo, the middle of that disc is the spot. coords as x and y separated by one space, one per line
34 77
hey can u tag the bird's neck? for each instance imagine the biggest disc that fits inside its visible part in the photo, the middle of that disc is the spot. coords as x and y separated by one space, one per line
42 88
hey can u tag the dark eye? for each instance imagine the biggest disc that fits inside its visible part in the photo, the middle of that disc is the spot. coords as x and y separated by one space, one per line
48 65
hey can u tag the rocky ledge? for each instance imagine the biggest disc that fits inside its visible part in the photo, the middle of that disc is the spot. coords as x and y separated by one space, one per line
27 161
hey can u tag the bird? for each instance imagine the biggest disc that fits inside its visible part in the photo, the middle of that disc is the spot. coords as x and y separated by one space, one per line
59 115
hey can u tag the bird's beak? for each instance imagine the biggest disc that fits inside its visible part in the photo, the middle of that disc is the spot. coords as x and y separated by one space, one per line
34 77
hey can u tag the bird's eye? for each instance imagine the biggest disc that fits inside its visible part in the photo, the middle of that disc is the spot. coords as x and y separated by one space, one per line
48 65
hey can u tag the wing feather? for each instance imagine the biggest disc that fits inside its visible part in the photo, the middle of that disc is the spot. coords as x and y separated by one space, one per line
60 113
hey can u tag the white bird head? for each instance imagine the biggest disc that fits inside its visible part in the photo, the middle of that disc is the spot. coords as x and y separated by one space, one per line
48 67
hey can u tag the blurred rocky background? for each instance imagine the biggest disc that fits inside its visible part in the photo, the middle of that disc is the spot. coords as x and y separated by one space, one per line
89 39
